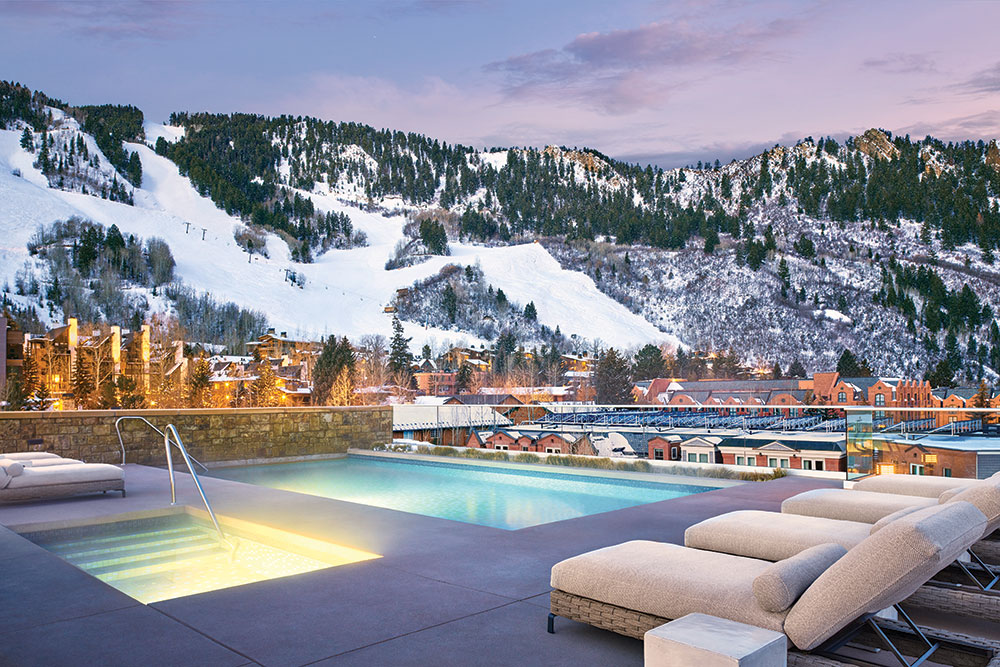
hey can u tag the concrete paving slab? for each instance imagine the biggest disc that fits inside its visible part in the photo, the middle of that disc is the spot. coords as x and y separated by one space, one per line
41 588
511 635
13 545
136 635
299 619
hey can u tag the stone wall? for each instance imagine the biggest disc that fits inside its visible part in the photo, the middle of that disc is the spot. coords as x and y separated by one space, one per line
209 435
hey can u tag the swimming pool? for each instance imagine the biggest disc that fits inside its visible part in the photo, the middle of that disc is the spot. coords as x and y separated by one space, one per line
498 497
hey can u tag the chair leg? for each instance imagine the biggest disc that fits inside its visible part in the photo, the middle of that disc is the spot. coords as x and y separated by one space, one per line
123 493
552 624
989 573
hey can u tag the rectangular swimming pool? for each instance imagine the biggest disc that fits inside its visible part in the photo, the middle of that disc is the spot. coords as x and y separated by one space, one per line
489 496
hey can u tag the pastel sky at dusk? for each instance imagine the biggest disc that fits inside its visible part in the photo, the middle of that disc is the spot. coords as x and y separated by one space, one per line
663 82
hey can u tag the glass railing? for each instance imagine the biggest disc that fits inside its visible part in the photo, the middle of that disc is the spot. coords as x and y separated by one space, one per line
735 438
953 441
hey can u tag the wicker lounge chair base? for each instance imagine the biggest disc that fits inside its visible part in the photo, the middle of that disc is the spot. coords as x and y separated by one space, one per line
954 649
59 490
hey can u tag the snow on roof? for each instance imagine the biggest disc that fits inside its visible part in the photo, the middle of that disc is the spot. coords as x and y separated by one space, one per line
411 417
962 443
430 400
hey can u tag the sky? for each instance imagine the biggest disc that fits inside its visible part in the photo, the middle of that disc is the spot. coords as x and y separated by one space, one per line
668 83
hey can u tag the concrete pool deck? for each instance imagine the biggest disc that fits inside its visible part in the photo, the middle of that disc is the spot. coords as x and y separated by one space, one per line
444 592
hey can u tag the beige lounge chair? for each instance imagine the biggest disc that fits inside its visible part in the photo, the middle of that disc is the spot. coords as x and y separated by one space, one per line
29 456
820 599
39 463
928 486
19 482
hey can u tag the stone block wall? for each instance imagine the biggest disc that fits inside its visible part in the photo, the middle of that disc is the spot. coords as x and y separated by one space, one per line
209 435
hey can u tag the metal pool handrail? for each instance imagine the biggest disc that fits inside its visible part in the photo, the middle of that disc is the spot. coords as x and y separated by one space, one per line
121 443
170 429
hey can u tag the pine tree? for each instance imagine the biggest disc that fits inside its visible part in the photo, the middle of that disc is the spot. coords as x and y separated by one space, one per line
783 274
942 376
108 396
82 383
612 379
134 170
796 370
848 365
399 350
42 397
200 383
29 374
450 302
982 397
264 390
463 379
44 160
649 363
28 140
530 312
776 373
129 395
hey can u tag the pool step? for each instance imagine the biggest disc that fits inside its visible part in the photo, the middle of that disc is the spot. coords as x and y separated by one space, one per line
113 569
62 547
137 550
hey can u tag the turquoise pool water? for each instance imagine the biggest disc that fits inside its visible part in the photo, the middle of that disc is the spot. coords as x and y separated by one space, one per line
497 497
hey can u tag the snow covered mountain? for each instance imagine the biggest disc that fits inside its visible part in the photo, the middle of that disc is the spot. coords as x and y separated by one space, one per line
799 252
343 292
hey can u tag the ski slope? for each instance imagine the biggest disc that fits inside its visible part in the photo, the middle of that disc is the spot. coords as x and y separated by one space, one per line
345 290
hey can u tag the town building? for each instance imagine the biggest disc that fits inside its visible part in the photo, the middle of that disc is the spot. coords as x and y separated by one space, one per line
12 347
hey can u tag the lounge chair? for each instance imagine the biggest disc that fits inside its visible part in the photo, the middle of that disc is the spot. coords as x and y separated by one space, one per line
21 482
39 463
29 456
871 506
820 599
928 486
818 517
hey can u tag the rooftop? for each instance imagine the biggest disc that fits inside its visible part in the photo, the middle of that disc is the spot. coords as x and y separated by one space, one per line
443 590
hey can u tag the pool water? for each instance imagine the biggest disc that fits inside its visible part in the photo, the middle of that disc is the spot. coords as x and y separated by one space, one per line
167 557
493 496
